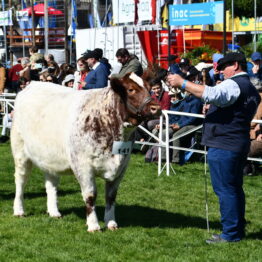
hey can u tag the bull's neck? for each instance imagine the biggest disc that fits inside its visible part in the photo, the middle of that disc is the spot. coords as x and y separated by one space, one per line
106 116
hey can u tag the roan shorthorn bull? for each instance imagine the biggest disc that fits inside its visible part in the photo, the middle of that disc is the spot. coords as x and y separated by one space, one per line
61 130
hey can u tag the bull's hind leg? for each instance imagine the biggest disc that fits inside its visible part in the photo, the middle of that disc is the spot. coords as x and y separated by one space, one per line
51 183
23 168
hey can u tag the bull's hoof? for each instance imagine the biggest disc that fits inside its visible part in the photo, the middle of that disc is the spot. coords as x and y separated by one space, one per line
92 229
19 214
112 225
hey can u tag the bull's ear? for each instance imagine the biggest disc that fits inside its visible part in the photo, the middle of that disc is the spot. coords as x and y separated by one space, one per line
119 88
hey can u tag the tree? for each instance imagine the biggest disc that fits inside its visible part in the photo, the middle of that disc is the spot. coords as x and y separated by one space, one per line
245 7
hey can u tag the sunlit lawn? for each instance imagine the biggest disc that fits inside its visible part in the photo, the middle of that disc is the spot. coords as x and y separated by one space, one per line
160 218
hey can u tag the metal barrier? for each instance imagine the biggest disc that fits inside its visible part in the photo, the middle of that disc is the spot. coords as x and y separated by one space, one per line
166 144
7 101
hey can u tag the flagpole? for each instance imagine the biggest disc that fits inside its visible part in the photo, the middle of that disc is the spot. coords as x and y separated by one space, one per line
224 28
169 35
255 15
46 26
3 8
232 7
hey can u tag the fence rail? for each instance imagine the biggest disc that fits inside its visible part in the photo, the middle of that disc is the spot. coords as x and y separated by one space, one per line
166 144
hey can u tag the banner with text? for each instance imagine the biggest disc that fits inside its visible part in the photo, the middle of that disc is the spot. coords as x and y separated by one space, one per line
196 14
6 18
124 11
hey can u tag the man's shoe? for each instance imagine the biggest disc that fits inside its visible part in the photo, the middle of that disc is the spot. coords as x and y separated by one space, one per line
216 239
215 236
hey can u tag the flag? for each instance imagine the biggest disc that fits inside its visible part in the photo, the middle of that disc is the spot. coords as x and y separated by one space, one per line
136 12
91 20
153 5
52 19
23 4
159 5
164 16
6 18
96 17
73 19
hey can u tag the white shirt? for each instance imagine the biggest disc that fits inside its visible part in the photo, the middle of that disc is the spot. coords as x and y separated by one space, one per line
223 94
95 65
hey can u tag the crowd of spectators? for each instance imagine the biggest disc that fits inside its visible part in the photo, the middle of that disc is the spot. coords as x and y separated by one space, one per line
92 70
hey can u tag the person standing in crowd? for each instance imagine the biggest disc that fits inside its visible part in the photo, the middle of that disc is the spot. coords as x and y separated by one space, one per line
226 133
98 76
81 74
257 66
25 72
13 76
129 64
214 74
2 78
103 60
34 55
173 65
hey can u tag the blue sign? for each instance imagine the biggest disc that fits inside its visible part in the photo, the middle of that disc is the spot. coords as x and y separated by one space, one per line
196 14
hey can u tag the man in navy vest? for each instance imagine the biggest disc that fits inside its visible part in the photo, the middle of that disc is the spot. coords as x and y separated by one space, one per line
233 104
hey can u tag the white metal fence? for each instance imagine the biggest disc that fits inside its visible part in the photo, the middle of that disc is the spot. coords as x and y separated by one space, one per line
164 122
7 101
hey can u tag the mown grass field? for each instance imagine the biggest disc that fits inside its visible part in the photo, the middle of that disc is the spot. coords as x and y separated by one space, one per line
160 218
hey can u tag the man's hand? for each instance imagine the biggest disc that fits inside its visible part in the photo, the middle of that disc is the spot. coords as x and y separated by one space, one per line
259 137
205 108
175 80
255 69
175 127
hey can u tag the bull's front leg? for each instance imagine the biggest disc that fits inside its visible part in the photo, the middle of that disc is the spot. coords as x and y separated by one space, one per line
88 188
111 192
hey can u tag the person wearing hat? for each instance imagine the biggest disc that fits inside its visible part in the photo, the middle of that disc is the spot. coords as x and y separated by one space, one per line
173 66
69 81
98 76
129 63
214 74
184 65
226 134
257 66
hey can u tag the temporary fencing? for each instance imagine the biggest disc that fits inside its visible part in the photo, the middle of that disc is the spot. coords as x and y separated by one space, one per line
160 143
7 101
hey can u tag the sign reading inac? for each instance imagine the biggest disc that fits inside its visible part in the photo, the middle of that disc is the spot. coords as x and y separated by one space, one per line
196 14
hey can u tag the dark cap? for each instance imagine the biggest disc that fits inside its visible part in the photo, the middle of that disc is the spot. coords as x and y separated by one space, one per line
85 52
99 52
256 56
172 57
192 72
91 54
229 59
184 62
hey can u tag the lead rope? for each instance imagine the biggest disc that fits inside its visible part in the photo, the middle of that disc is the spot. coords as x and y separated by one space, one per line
206 199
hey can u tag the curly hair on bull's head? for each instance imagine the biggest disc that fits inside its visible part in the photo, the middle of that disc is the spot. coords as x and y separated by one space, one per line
154 71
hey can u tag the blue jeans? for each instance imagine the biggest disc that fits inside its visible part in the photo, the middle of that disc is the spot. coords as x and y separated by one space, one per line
226 169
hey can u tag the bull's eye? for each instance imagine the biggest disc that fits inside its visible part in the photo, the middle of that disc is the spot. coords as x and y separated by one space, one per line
130 90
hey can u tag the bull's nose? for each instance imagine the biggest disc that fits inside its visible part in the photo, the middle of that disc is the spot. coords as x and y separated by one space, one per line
153 109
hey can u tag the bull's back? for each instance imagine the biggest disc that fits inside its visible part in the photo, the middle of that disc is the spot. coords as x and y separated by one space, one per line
42 121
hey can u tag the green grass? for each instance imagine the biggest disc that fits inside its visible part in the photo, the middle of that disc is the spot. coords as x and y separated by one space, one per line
160 218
